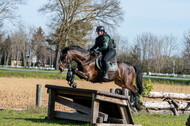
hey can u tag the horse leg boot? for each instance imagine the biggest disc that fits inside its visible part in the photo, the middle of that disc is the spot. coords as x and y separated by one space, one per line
72 78
137 105
106 68
69 76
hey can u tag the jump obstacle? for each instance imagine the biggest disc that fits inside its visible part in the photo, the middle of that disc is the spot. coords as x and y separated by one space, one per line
97 107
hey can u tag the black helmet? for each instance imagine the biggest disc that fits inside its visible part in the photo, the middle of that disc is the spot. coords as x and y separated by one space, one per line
100 28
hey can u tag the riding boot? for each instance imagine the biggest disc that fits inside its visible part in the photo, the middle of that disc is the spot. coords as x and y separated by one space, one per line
106 68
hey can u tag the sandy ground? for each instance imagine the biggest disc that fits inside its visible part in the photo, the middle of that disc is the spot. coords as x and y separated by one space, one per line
20 93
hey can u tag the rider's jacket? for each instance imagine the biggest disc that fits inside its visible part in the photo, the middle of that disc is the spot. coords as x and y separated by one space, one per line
103 43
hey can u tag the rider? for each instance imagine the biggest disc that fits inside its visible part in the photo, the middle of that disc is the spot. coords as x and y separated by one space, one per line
105 45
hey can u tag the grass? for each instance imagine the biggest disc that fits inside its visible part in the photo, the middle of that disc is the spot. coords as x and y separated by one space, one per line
36 117
43 75
32 117
160 120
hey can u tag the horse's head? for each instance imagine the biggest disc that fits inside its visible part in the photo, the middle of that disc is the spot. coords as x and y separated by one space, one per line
72 53
65 59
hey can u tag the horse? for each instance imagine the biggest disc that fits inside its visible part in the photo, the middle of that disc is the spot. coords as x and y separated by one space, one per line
124 76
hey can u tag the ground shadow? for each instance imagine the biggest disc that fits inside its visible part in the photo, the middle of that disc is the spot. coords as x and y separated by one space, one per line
55 121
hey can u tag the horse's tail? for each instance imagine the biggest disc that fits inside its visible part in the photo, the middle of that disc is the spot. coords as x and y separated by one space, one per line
139 79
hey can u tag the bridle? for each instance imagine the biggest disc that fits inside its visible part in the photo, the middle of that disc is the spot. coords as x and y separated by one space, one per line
67 60
68 57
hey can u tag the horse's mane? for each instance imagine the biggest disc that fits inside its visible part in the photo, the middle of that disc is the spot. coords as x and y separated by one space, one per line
78 48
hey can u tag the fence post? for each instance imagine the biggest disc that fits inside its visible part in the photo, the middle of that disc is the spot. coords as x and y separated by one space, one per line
39 95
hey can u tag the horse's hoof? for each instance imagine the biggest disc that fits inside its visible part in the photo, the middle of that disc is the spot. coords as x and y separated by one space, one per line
74 85
138 107
70 84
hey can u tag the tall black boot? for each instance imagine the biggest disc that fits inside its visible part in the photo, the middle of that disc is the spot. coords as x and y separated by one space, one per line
106 68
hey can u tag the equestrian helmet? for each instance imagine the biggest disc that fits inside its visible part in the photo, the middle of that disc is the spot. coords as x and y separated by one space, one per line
100 28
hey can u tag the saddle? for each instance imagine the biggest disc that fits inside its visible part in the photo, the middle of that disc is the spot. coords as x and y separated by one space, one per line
112 64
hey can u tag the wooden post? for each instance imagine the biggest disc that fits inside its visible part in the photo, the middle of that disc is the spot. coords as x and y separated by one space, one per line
125 92
129 117
94 109
112 90
51 104
39 95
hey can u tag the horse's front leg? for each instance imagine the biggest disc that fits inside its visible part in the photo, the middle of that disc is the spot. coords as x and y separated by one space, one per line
70 78
81 74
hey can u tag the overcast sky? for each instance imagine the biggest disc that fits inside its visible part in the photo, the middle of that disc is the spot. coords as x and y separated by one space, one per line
161 17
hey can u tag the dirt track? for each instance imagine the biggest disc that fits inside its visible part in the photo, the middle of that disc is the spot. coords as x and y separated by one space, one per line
21 93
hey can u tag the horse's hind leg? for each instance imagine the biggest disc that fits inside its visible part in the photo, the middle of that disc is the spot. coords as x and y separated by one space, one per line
129 84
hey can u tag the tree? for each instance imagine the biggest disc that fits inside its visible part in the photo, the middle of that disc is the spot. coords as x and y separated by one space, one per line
20 44
72 20
7 50
8 10
1 47
186 52
38 45
151 47
170 45
135 55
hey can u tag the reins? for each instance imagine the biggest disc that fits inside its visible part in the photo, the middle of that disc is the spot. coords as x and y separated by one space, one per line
68 57
92 60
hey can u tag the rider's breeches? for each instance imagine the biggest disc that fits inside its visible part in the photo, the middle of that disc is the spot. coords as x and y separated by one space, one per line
106 58
109 55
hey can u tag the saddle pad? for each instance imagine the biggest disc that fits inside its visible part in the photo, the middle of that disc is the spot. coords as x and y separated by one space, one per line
112 66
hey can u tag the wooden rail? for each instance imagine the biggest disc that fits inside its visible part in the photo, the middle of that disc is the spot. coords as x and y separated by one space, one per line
180 96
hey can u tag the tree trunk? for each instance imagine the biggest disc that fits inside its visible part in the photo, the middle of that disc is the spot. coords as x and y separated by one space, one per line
24 58
57 57
17 57
7 62
5 57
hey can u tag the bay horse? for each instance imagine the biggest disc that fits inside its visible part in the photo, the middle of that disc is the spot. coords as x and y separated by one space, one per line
124 76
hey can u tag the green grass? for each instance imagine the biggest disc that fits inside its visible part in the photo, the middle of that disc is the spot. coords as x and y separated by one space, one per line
43 75
160 120
36 117
32 117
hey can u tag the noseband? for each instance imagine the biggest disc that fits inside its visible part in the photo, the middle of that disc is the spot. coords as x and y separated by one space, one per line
61 63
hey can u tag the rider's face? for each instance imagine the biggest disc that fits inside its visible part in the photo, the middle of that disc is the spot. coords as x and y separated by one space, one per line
100 33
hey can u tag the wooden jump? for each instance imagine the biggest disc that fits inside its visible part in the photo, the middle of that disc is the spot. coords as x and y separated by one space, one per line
94 106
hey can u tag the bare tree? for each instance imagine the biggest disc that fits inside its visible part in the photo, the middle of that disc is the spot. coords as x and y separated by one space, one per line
151 47
170 45
7 50
72 20
20 44
186 52
1 47
8 10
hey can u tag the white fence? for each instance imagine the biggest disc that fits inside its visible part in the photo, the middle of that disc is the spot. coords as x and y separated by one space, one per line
40 68
166 74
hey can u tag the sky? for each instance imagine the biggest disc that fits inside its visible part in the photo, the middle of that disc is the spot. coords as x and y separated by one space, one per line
160 17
